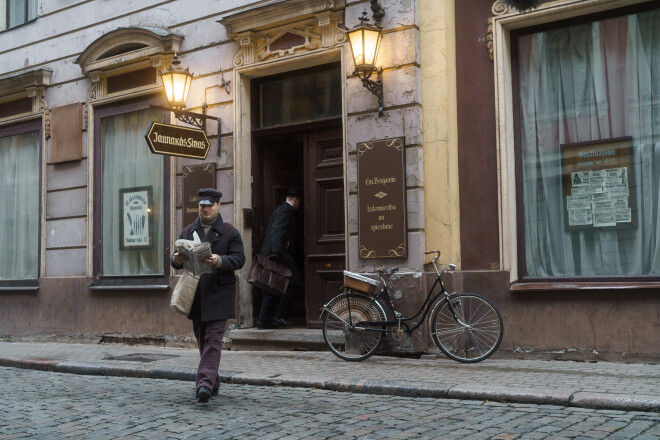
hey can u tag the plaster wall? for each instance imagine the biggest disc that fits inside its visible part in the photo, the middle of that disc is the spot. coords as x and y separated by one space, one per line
438 86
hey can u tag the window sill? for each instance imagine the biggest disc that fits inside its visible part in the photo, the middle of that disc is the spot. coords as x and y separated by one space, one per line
130 287
583 285
19 288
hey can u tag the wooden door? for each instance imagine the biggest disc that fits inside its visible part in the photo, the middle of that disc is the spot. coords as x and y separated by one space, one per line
325 248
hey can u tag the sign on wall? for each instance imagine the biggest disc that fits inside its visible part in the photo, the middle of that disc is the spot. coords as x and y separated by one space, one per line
173 140
596 178
382 225
194 178
136 220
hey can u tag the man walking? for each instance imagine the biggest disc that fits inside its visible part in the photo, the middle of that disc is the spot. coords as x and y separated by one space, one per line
279 244
214 301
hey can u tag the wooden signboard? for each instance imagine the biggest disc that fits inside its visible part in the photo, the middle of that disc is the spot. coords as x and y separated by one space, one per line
194 178
596 179
382 224
173 140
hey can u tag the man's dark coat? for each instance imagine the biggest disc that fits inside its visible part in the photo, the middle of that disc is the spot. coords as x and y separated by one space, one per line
280 239
215 298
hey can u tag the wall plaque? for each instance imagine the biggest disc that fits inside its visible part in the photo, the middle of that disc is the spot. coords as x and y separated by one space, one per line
382 226
596 178
173 140
194 178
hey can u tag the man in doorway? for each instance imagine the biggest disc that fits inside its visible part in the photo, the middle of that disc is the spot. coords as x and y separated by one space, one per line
214 301
279 244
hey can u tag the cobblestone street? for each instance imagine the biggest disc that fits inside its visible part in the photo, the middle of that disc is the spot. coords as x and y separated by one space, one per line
47 405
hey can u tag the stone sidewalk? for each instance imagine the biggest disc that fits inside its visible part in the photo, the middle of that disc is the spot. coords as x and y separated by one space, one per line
598 385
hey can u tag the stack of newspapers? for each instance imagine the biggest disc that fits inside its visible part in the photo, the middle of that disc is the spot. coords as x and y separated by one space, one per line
196 251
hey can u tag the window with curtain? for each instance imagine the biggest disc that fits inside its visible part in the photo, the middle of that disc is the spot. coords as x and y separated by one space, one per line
133 204
591 88
19 202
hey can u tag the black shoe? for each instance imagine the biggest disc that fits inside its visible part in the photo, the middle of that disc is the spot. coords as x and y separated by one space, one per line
214 392
203 394
282 321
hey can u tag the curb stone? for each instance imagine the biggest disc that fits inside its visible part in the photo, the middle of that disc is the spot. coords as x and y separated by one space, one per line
520 395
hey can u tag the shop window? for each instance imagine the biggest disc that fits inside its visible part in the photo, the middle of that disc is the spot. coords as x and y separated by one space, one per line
20 149
17 12
131 226
588 146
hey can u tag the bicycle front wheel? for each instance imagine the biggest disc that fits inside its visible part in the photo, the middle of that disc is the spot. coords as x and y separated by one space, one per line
473 334
342 331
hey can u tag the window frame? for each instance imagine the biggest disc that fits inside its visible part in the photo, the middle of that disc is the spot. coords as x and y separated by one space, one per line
26 18
12 130
558 283
133 282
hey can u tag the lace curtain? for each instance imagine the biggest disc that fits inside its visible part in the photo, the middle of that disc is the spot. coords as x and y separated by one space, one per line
595 81
19 206
128 163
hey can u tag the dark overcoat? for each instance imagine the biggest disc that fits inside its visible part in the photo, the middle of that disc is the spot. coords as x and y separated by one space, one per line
215 297
280 239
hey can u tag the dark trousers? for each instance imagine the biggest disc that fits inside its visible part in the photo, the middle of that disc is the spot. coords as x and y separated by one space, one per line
209 340
276 305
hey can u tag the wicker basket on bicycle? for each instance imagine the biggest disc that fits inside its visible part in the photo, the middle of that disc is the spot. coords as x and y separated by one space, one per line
360 282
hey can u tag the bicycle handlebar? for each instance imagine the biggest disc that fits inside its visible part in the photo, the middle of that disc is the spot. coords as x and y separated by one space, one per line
436 252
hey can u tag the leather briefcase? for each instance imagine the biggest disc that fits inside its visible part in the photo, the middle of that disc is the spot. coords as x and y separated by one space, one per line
269 275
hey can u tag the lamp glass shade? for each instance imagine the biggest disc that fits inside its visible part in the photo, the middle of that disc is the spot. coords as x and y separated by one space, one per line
364 44
177 85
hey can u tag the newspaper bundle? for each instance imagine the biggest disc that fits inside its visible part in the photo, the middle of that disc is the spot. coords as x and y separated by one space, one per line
196 251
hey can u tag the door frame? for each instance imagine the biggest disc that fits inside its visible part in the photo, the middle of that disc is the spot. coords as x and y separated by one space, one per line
243 154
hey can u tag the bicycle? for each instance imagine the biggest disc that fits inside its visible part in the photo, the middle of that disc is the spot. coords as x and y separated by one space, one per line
465 326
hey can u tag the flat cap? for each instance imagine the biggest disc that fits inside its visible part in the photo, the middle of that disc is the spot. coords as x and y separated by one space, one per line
208 196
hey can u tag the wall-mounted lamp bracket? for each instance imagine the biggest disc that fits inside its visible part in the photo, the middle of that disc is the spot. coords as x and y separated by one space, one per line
225 84
377 11
375 87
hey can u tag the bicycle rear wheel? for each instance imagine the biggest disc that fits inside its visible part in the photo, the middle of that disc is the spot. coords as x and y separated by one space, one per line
342 335
475 335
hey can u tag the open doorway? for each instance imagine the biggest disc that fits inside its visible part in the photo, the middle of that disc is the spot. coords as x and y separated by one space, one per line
297 142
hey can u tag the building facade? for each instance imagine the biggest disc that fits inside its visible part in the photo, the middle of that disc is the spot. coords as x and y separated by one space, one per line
486 179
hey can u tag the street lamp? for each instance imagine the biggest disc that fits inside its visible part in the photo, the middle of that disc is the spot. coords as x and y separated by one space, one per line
177 82
365 42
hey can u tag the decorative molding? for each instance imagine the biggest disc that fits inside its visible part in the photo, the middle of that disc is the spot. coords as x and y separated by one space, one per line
30 84
96 90
501 8
146 43
85 116
266 51
107 56
489 39
308 26
38 95
47 124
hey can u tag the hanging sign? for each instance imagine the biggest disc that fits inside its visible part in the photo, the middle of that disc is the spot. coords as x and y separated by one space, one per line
382 226
173 140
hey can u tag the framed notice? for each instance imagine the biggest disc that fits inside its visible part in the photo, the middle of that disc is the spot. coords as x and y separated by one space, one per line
596 179
194 178
382 224
136 220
